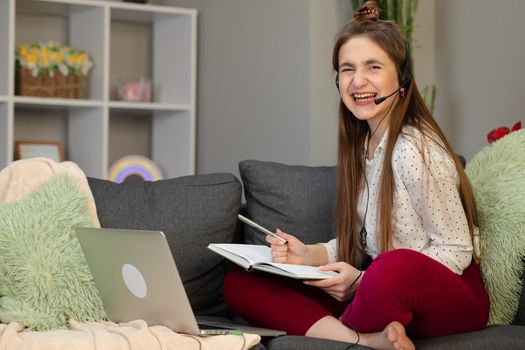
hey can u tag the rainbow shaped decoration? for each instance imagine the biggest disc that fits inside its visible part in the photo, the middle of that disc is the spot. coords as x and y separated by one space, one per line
134 165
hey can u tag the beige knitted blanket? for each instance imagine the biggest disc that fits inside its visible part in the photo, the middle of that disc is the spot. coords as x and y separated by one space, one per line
22 177
111 336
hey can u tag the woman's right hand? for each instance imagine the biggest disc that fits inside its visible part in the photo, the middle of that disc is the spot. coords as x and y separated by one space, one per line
293 252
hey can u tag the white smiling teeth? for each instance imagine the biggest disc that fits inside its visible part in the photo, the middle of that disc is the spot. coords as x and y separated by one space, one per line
364 96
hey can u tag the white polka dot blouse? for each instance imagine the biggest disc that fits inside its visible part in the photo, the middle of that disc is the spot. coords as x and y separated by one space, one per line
428 215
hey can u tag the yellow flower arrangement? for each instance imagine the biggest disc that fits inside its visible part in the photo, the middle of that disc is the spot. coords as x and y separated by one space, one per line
50 58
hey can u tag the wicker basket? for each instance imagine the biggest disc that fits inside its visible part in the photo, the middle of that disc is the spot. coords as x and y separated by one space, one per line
61 86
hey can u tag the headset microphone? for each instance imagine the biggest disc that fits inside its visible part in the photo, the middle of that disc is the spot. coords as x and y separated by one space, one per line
381 99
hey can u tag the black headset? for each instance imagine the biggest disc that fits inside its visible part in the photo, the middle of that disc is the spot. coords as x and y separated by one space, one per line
406 76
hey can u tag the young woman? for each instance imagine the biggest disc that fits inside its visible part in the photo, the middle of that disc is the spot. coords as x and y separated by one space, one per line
405 211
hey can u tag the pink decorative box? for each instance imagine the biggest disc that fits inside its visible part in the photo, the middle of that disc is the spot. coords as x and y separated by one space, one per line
135 91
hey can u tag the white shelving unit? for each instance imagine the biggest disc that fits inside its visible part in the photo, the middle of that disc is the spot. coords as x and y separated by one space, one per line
93 26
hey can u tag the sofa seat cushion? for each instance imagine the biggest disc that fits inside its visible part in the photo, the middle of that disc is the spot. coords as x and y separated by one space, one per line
296 199
192 211
498 337
510 337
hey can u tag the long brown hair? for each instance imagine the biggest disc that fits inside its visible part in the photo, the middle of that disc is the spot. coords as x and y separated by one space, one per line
410 111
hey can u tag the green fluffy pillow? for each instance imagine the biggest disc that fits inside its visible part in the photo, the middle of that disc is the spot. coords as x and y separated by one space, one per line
497 174
44 278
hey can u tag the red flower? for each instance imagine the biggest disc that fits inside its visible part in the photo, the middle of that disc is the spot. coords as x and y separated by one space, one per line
497 134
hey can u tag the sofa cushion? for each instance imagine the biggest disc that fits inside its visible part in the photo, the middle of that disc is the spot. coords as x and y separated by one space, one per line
44 277
296 199
497 174
192 211
499 337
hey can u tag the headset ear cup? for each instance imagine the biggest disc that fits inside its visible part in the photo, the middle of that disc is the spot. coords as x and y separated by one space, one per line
406 75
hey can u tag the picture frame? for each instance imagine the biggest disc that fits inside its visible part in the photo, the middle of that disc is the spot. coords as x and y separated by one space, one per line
31 149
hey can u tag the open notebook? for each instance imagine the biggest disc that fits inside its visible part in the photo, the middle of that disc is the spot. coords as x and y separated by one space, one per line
259 257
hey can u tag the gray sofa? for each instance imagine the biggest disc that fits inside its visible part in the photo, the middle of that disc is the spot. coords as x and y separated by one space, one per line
194 211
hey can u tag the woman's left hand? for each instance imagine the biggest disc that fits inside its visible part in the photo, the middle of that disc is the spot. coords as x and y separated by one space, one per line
342 286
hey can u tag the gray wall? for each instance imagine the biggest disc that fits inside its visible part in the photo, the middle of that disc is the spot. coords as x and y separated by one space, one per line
265 88
423 43
479 69
326 19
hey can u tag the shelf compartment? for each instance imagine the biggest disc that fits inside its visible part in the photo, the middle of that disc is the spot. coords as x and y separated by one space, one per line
82 131
165 136
125 125
163 46
81 25
46 125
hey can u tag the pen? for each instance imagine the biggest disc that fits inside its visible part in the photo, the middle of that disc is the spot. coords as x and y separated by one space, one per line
260 228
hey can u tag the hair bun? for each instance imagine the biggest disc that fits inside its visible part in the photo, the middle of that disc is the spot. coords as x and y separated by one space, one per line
369 11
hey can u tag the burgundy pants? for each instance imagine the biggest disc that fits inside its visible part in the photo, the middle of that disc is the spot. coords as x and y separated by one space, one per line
400 285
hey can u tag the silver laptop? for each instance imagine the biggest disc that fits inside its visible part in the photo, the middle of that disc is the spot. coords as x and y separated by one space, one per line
137 278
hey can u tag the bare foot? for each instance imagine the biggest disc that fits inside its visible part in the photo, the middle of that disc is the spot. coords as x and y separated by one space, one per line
393 337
